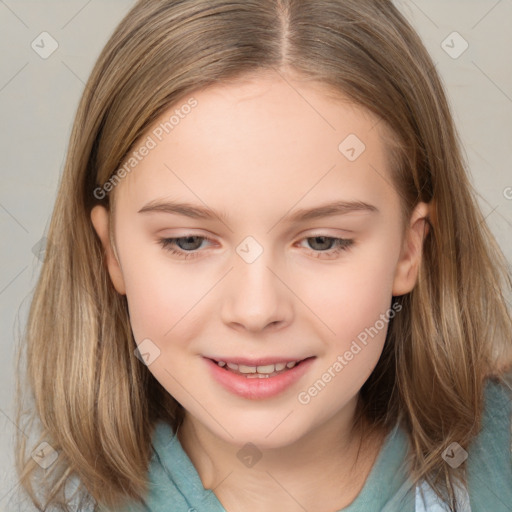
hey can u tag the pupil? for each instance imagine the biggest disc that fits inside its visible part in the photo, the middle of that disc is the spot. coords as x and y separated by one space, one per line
189 239
324 239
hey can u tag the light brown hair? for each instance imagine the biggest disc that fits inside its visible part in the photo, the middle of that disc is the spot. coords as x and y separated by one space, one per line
93 399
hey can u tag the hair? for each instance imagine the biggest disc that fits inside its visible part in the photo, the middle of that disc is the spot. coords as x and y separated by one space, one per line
96 403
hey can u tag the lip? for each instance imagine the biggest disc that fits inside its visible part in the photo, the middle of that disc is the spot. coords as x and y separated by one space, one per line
262 361
258 388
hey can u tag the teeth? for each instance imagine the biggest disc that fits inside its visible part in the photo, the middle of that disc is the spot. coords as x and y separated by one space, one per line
265 370
269 368
246 369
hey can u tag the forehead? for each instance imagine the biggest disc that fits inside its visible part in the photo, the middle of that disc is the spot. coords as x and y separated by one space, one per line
262 140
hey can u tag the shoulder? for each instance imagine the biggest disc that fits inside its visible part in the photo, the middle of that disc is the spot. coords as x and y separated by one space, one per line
489 466
496 415
489 459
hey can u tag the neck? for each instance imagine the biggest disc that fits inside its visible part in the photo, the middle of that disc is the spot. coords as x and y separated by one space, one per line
327 466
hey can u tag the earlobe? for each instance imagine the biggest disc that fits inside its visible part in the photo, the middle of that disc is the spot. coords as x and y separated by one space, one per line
409 263
100 221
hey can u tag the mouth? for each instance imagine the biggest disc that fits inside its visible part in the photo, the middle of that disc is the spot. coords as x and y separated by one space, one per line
258 379
260 369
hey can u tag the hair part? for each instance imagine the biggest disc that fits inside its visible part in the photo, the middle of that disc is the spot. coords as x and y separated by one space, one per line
94 400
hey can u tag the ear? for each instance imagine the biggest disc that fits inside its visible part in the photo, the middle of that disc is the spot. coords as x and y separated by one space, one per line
408 265
100 218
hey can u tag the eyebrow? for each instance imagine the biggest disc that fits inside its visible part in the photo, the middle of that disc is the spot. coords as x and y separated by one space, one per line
198 212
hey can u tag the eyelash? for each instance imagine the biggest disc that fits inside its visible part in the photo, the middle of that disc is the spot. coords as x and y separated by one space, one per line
341 245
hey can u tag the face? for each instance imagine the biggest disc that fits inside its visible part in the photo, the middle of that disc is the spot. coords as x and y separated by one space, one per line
273 275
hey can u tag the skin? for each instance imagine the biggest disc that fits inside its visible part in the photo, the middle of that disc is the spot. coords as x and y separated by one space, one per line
258 151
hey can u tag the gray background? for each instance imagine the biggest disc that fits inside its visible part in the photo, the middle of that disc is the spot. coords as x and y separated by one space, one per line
38 99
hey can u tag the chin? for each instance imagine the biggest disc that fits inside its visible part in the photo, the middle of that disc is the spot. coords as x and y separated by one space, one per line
266 436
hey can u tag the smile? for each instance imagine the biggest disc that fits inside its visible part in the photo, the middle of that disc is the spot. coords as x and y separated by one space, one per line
258 381
262 371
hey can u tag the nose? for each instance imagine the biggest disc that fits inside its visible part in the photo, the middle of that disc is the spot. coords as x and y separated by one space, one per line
255 296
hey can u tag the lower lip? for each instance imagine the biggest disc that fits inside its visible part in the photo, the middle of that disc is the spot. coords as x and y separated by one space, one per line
258 388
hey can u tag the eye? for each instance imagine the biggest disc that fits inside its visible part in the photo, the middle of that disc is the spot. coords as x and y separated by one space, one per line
328 245
187 245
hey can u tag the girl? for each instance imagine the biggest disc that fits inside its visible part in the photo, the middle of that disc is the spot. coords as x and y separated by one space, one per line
269 286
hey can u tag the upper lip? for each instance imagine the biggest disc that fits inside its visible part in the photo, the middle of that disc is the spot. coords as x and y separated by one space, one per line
261 361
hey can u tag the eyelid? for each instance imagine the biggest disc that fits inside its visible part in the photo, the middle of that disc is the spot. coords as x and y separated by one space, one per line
340 245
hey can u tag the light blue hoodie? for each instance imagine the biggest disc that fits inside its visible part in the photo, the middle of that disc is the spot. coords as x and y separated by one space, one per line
175 485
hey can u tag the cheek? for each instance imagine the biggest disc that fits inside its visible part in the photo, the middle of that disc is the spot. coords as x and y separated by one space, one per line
161 295
352 295
357 309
